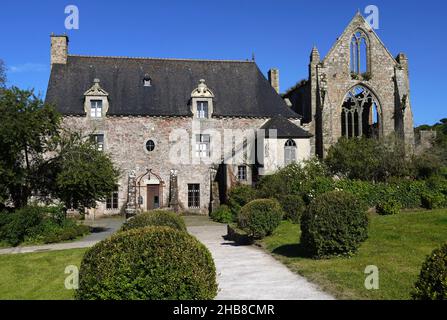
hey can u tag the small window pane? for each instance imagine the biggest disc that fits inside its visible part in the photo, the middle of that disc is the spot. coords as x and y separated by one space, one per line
96 109
193 195
99 141
242 173
150 145
202 109
112 201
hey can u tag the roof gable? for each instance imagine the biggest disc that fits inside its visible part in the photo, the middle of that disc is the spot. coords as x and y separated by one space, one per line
285 128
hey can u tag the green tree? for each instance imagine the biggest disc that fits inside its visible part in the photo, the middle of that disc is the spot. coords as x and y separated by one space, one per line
369 159
27 128
82 174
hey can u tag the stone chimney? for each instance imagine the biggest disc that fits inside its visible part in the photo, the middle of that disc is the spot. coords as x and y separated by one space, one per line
59 49
273 75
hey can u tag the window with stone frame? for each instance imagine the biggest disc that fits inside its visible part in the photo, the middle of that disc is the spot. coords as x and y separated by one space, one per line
242 173
112 201
359 54
289 152
202 109
203 145
98 139
194 195
96 108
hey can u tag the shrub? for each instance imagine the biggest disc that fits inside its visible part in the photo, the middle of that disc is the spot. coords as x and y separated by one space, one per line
152 263
239 196
155 218
36 224
388 207
335 223
17 225
432 280
433 200
293 207
260 217
222 214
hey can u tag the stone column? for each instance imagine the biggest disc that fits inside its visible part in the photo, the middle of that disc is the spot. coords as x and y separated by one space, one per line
173 191
131 206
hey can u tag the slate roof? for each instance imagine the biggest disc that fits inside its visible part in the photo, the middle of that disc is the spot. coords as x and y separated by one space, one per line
285 128
240 89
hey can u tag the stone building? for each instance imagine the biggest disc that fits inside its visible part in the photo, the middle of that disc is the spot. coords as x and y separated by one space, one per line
358 89
181 131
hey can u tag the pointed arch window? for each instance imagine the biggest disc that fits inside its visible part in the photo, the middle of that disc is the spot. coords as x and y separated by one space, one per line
361 115
359 53
289 152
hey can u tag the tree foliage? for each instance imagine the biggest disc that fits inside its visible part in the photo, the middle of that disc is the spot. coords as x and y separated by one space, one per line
369 159
38 158
83 174
26 132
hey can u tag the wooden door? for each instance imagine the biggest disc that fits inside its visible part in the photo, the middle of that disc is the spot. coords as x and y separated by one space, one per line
153 197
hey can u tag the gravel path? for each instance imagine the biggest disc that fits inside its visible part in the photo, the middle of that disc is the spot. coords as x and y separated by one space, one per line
247 272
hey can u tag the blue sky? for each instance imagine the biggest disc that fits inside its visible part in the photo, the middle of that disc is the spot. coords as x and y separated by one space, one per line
280 33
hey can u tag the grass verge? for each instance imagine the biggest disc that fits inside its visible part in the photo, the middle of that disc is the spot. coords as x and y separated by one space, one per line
397 245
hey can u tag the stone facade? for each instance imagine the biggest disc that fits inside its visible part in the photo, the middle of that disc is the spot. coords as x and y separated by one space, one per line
125 139
321 98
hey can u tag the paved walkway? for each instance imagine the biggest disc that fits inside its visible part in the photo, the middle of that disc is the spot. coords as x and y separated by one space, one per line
247 272
102 228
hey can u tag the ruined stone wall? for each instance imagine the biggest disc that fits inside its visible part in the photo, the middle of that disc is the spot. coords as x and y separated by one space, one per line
335 73
331 79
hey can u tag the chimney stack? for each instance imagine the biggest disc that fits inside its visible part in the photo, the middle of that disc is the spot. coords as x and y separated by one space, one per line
273 75
59 49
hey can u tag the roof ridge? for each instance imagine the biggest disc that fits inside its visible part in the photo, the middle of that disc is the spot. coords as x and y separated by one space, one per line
162 59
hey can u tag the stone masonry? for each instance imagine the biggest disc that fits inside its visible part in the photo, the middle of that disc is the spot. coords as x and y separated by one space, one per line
320 98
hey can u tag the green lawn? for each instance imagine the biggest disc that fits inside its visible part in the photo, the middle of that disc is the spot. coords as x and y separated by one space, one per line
397 245
37 275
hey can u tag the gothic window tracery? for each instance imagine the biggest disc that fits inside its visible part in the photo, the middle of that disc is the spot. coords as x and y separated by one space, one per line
360 114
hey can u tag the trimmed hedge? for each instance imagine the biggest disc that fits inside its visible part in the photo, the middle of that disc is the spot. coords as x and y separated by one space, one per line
335 223
293 207
222 214
38 224
155 218
152 263
432 281
260 217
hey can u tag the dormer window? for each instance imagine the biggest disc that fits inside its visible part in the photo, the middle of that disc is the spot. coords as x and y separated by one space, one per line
202 109
202 101
96 108
147 81
96 103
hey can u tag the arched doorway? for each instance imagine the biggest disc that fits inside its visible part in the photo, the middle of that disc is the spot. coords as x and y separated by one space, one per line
360 114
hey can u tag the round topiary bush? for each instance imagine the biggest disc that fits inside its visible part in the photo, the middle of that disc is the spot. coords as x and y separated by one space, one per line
293 207
388 207
335 223
432 281
152 263
222 214
260 217
155 218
